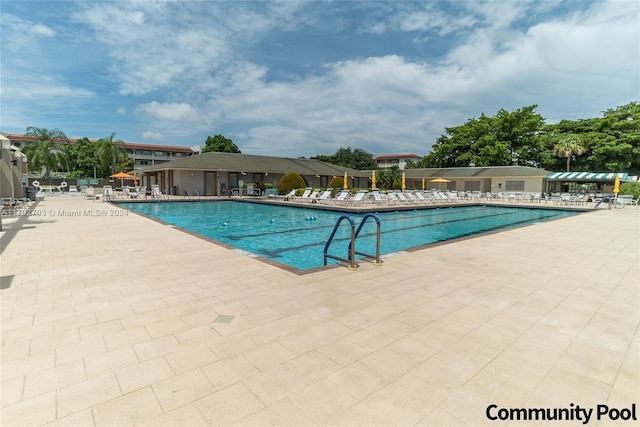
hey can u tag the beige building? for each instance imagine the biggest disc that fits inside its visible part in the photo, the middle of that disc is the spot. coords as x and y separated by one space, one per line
386 161
143 155
493 179
219 174
13 171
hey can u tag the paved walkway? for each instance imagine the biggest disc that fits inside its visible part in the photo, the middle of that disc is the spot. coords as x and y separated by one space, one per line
118 320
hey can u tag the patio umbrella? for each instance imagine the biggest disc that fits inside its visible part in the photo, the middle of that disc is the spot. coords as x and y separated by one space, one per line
135 179
373 180
122 176
423 184
404 184
616 185
344 184
439 180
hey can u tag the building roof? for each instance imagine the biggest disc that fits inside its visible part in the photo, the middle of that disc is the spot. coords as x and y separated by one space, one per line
398 156
477 172
234 162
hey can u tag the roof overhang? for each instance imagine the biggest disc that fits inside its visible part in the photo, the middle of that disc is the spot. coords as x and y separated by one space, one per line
587 176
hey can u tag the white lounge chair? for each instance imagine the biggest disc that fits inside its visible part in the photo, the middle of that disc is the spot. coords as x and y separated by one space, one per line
313 196
342 197
107 191
291 194
359 197
401 197
325 196
377 197
392 198
422 199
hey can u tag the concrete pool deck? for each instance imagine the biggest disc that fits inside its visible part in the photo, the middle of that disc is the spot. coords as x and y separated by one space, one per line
113 319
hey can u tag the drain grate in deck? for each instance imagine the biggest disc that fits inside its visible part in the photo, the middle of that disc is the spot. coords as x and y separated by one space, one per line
223 318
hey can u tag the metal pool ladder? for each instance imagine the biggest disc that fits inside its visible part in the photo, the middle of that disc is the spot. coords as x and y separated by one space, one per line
351 252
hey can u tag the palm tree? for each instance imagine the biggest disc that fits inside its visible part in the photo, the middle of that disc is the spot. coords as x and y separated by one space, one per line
46 152
568 147
111 154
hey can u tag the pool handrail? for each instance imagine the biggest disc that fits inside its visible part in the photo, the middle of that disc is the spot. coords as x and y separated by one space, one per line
351 254
376 218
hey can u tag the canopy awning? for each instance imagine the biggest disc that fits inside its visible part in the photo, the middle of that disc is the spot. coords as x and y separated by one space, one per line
587 176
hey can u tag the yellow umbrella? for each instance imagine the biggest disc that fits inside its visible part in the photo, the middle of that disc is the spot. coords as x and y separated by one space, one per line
373 180
616 185
423 183
440 180
344 184
404 185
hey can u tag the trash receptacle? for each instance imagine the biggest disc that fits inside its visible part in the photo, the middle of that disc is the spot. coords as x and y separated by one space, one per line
31 193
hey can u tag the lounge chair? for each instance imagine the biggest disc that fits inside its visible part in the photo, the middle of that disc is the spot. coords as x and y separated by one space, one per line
401 197
130 193
422 199
326 195
307 192
359 197
107 191
342 197
392 198
377 197
291 194
313 196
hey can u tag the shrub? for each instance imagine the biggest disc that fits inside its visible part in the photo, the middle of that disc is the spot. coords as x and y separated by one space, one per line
632 188
290 181
337 182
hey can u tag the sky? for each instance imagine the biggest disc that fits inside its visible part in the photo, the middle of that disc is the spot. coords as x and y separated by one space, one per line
305 78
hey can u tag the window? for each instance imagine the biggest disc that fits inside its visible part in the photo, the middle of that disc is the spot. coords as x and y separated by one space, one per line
514 186
472 186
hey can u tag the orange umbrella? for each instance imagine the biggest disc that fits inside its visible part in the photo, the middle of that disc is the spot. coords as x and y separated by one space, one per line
423 183
373 180
345 185
122 176
404 184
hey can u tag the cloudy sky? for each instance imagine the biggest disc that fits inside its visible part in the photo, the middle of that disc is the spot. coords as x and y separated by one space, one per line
305 78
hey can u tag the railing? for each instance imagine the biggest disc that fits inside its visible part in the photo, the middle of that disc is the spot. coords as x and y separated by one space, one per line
352 259
166 195
362 222
351 251
198 194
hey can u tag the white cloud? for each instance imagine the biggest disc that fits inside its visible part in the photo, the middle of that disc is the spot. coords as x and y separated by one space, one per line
154 136
189 69
169 112
19 34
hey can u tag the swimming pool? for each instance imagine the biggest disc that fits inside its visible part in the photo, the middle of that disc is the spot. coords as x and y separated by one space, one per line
296 236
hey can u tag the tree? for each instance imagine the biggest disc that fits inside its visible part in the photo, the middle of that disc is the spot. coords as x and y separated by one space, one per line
220 144
507 138
111 155
349 158
82 158
568 147
389 178
46 152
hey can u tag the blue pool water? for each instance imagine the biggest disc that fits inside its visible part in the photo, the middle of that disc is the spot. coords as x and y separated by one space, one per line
296 235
